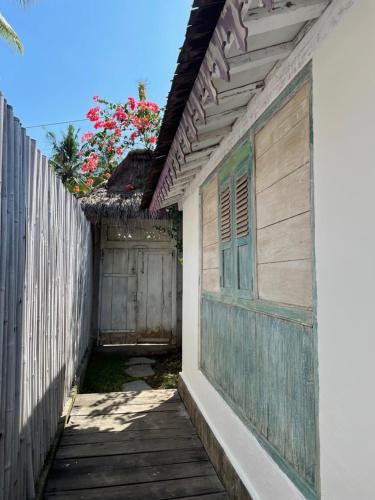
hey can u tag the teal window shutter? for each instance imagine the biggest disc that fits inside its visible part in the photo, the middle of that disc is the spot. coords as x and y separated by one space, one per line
242 243
226 237
236 239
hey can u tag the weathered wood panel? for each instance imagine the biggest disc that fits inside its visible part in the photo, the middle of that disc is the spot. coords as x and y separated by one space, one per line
210 237
210 233
137 292
264 368
288 240
286 282
287 198
283 121
285 156
45 304
211 257
283 204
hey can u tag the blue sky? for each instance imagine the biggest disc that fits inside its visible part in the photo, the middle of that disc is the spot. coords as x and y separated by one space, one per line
75 49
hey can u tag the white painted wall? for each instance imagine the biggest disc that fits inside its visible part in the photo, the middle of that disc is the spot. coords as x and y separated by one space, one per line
344 164
263 478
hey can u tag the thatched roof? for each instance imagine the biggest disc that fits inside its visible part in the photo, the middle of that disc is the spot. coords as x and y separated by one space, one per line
121 196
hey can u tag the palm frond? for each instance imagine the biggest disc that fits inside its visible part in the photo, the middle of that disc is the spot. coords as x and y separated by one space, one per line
9 35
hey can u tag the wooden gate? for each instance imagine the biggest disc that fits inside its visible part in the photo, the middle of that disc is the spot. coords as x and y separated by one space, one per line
137 292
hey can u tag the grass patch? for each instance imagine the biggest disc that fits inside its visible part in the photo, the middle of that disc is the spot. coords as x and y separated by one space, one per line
106 372
166 369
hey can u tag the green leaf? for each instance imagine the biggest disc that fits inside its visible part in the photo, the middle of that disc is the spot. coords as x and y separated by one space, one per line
9 35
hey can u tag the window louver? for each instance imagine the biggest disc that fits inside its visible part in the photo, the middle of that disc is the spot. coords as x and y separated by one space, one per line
242 214
225 215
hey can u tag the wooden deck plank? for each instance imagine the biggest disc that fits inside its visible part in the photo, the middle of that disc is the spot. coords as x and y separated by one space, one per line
122 448
130 421
114 408
99 477
130 435
145 459
147 491
164 395
210 496
132 446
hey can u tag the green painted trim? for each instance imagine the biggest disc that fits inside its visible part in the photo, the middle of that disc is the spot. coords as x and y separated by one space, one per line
239 154
314 283
290 313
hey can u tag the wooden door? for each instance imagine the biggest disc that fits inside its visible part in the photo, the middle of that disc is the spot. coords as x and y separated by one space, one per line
137 294
118 301
156 292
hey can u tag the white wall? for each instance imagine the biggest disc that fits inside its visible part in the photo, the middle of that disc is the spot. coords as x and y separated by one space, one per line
260 474
344 163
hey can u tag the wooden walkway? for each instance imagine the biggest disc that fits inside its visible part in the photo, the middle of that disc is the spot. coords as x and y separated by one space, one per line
132 445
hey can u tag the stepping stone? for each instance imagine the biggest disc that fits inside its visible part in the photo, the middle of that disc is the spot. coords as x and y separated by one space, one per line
140 361
136 385
140 371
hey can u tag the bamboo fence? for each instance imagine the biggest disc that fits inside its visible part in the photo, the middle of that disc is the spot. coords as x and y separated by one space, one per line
45 304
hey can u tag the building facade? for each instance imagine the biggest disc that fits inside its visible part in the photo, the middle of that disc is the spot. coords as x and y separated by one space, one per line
272 167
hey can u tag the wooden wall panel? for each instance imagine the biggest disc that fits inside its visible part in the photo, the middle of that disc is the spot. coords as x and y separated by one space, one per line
284 120
286 282
288 240
285 156
283 204
210 237
260 354
284 199
263 367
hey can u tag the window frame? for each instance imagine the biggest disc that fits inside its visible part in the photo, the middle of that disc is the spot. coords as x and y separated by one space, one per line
238 164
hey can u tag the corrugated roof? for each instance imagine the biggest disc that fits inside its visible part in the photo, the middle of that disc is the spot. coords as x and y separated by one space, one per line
201 25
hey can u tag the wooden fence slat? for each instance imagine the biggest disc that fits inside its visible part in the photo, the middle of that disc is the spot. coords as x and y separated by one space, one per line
45 304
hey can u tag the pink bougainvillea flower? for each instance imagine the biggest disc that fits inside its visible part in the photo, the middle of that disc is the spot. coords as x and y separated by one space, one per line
109 124
133 136
118 132
109 149
154 106
85 167
86 136
93 114
145 122
131 101
119 151
98 124
76 189
152 139
148 105
92 161
120 115
89 182
129 187
136 122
